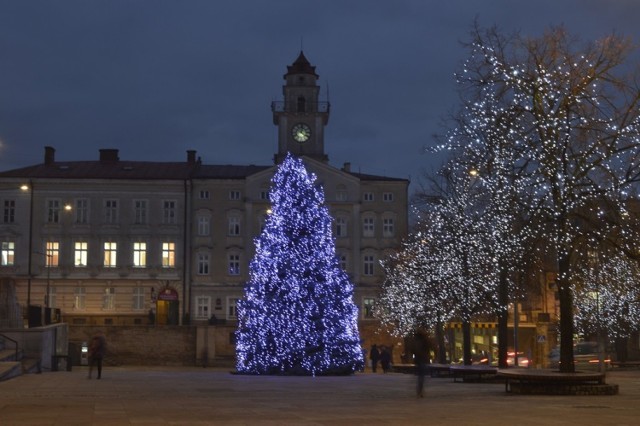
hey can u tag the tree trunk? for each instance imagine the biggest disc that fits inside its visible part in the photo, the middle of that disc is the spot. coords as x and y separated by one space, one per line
466 341
503 317
566 315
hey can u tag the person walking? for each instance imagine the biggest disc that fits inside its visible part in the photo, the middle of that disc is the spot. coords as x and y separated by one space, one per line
421 360
374 356
385 359
97 349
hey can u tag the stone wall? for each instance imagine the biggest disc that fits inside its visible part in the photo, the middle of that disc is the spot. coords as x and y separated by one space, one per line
140 345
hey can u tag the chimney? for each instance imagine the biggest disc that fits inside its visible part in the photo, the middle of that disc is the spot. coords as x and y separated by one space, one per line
191 156
49 155
347 167
108 156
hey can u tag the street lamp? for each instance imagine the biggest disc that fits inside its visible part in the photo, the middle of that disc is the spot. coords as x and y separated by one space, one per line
29 187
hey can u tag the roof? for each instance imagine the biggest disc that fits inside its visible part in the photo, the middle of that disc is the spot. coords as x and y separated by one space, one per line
301 66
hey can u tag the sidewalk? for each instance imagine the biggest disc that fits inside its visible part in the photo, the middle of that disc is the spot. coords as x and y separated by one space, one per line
198 396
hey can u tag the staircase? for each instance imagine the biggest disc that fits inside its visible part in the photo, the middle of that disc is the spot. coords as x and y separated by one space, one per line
12 361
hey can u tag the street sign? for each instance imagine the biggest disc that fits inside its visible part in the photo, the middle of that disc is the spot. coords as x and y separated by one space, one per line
541 338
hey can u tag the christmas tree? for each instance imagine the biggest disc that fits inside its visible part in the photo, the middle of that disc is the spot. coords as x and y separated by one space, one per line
297 315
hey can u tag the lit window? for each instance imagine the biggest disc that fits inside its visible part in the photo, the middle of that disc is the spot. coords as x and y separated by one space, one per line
82 211
168 255
388 228
368 196
111 211
139 255
204 225
234 195
52 253
368 227
53 211
368 263
9 211
234 264
203 264
80 253
203 306
8 253
138 298
367 305
169 212
140 212
110 252
387 197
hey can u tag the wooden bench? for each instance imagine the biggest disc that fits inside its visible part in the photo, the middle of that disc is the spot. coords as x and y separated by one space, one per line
549 382
439 370
469 372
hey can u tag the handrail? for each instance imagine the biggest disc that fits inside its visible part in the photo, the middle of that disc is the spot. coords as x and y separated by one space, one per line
15 342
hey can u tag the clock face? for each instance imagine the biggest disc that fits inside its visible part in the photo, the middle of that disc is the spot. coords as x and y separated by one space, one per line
301 132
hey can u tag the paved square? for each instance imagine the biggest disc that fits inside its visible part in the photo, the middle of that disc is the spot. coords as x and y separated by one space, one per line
198 396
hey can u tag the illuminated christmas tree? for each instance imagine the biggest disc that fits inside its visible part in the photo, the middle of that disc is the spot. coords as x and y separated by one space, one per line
297 315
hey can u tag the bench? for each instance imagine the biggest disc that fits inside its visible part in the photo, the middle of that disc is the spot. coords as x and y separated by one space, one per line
549 382
469 372
439 370
625 364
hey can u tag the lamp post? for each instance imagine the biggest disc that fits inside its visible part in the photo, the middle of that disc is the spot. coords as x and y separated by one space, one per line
24 188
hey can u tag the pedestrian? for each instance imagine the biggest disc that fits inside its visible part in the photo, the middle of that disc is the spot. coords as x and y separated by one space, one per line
421 360
97 349
385 359
374 356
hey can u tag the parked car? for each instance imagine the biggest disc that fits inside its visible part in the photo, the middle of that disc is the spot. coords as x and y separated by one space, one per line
585 355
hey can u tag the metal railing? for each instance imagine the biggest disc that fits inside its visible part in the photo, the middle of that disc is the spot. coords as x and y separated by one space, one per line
13 341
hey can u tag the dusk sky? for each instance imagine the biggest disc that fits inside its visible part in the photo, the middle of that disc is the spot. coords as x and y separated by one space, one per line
155 78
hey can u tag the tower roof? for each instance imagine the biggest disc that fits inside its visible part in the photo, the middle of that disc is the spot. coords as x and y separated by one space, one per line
301 66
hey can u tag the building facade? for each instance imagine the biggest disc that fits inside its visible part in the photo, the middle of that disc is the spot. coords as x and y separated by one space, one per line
114 242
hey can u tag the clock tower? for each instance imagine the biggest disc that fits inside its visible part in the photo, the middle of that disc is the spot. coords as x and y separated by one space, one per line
301 117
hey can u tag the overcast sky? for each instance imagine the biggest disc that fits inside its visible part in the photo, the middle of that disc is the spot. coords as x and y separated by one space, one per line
155 78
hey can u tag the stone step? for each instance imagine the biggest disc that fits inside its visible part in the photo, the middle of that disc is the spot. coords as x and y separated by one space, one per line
8 355
10 369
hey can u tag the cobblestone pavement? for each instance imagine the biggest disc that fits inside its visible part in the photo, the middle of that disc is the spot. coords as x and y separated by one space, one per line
198 396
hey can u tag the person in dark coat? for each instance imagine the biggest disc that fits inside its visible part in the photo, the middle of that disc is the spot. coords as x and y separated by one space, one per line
97 349
374 356
421 360
385 359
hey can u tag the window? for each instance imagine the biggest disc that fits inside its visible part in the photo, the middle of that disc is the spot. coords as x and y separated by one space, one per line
204 195
52 297
168 255
368 262
232 311
109 299
302 104
368 227
140 212
203 306
367 307
234 225
387 197
53 211
111 211
82 211
264 194
204 225
234 264
110 252
138 298
52 254
8 253
169 212
341 227
139 254
234 195
388 229
368 196
9 211
80 253
203 263
79 298
343 261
